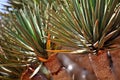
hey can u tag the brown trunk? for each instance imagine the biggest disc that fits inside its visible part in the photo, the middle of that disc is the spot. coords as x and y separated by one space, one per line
62 75
116 63
101 66
56 69
53 65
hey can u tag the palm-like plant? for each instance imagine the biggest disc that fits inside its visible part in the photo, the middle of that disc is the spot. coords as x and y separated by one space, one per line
15 56
91 26
88 25
24 39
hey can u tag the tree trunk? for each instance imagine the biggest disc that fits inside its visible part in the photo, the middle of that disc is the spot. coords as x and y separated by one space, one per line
116 63
101 65
56 69
54 66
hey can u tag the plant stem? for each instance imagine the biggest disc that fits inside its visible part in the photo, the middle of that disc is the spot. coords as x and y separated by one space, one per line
101 65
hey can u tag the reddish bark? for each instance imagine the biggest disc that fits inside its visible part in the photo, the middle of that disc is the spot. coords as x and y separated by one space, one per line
116 63
55 67
101 66
53 64
62 75
26 74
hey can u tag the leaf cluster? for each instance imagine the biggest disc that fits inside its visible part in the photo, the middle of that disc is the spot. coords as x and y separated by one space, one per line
86 24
